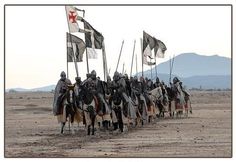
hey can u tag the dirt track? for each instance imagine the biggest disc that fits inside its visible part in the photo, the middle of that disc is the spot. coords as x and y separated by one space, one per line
32 131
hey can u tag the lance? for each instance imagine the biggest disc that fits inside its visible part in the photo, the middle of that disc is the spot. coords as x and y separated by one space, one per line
104 61
155 66
123 68
120 55
151 72
67 71
172 65
170 71
136 65
141 41
132 59
74 57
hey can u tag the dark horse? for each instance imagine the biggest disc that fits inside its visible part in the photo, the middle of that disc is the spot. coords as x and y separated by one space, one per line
69 109
117 106
89 108
171 96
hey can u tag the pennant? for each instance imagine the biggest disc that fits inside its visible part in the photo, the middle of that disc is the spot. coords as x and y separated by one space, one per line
72 19
75 45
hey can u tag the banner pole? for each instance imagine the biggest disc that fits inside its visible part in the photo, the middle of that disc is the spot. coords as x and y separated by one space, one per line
74 58
132 59
119 55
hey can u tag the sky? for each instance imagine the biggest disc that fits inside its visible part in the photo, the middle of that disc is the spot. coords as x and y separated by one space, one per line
35 42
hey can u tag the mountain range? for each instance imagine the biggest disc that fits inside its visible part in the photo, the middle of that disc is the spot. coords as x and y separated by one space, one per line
194 70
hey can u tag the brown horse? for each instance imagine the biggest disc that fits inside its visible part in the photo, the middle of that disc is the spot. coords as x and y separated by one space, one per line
68 110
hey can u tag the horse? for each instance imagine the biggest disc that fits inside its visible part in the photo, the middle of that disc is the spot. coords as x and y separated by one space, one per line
68 110
171 94
158 100
120 113
179 101
136 103
90 105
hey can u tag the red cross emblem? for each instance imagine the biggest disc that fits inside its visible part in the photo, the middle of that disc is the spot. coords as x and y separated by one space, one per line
72 17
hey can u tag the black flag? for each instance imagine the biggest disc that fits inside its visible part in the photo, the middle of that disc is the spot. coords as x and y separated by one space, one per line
148 44
93 38
159 49
78 46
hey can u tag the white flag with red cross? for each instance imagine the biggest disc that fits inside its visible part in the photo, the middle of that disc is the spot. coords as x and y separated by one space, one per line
72 19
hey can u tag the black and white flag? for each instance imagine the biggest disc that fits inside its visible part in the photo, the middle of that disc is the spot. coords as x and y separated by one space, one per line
76 45
93 39
148 44
159 49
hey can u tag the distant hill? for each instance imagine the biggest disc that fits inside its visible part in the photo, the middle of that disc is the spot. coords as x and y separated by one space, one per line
205 82
192 64
40 89
196 70
208 82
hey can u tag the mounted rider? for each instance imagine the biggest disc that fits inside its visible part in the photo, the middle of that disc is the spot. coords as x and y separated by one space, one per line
137 88
158 91
97 88
77 89
178 93
59 93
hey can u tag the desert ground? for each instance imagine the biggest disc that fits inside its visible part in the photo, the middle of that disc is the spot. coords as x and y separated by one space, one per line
31 130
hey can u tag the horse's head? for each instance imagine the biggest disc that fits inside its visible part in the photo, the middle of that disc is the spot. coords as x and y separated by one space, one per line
70 93
86 94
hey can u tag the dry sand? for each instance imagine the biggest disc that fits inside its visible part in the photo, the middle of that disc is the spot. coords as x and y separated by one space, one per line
32 131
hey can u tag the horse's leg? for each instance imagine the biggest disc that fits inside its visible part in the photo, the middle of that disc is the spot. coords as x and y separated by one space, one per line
88 130
69 121
114 120
72 123
62 127
120 121
93 122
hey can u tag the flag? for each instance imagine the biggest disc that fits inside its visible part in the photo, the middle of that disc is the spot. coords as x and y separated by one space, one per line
148 44
76 45
159 49
93 39
72 19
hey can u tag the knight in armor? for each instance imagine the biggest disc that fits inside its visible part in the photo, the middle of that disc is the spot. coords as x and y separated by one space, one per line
119 85
60 91
138 89
149 85
157 83
177 89
159 94
144 90
128 87
164 93
77 90
99 92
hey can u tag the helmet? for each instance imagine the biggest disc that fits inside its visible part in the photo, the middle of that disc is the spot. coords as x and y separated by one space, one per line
77 79
63 75
126 76
93 74
116 76
108 78
157 80
175 80
141 79
135 78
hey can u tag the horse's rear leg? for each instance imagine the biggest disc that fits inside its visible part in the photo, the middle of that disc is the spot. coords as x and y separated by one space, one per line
62 127
88 130
93 123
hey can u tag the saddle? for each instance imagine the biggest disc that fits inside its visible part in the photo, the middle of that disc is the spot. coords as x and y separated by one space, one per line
96 103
